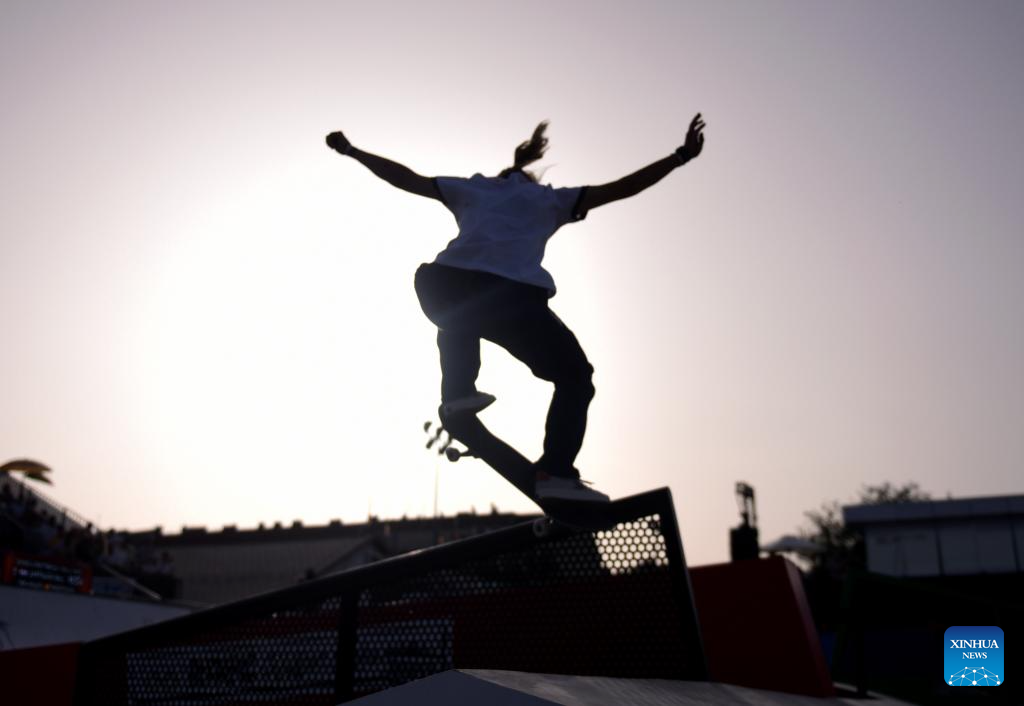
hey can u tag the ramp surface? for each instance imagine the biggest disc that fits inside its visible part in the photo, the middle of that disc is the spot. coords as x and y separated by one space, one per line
472 687
614 602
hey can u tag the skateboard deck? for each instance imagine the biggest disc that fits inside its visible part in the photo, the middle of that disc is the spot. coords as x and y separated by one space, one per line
520 472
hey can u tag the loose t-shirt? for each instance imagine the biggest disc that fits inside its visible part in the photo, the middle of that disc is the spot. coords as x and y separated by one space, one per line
505 224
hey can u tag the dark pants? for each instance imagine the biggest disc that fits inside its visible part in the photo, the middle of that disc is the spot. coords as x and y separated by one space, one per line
466 306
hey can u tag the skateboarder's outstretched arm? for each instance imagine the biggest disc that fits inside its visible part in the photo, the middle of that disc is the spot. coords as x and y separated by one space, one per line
648 176
392 172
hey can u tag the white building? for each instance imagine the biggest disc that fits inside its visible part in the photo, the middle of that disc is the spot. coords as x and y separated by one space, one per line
967 537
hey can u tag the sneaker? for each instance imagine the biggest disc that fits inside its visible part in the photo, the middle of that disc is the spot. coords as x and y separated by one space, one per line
550 487
471 404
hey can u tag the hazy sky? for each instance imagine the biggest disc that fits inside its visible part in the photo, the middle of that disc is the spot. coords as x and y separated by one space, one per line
208 317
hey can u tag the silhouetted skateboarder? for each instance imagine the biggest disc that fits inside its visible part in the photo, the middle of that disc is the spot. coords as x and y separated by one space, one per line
489 283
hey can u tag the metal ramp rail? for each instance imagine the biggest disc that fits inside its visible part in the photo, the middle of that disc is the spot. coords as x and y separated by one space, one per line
614 603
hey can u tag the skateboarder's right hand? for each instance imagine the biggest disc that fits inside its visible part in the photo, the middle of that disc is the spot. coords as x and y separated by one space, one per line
338 142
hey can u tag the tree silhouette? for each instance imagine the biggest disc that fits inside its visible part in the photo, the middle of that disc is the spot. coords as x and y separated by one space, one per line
30 470
842 548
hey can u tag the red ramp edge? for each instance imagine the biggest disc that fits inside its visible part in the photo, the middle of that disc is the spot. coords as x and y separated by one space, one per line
757 627
41 676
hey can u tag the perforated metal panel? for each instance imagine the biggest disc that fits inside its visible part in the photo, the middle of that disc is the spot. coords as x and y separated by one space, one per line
279 657
612 603
568 605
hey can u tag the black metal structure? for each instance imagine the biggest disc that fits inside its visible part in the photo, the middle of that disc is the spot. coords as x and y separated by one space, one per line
614 603
891 627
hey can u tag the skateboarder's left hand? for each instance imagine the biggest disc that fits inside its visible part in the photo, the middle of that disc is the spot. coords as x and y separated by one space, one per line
694 140
338 142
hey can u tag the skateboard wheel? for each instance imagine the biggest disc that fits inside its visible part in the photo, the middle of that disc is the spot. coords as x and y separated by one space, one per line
541 527
452 455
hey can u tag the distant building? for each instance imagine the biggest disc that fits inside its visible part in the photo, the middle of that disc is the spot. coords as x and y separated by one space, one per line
967 537
62 580
230 564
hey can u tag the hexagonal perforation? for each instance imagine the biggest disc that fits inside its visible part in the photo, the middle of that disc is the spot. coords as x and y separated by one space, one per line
285 656
607 603
504 612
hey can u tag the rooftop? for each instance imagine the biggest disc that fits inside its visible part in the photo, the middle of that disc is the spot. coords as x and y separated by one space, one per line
962 509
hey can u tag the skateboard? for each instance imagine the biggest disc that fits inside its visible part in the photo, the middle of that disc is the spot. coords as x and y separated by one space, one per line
480 443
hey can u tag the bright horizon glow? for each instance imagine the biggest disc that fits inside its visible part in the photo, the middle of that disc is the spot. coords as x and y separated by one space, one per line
210 318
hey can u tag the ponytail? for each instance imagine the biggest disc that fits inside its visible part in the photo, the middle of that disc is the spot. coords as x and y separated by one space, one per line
529 152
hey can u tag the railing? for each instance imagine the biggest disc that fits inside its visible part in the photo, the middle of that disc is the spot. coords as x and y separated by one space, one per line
613 603
126 580
46 503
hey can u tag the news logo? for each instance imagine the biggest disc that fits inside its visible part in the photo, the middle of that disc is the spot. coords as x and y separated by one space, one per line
973 656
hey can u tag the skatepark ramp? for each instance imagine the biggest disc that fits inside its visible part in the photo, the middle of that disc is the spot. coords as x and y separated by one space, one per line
472 687
615 603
